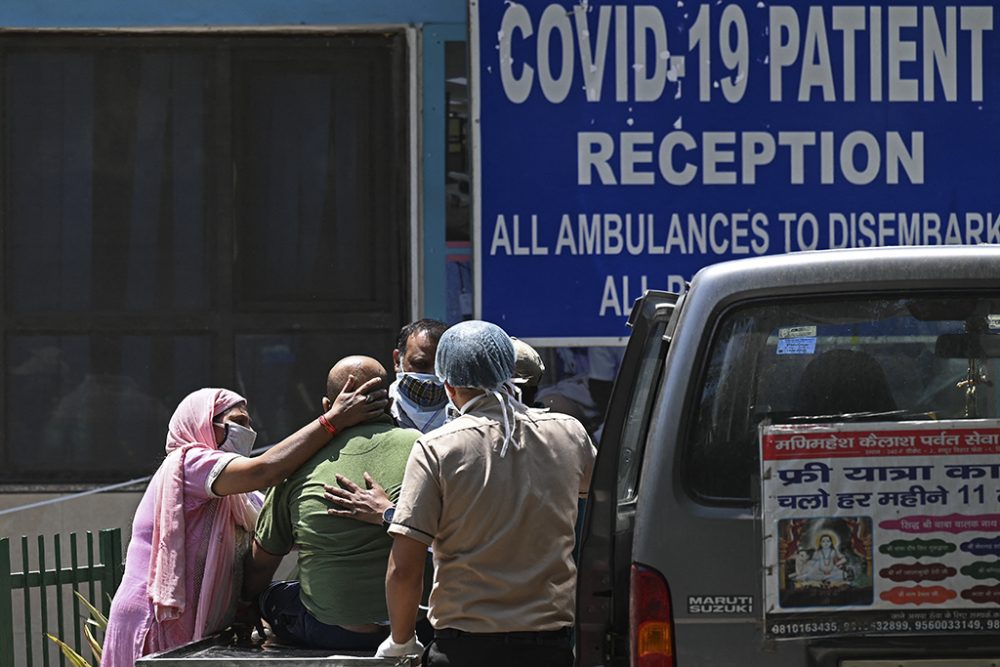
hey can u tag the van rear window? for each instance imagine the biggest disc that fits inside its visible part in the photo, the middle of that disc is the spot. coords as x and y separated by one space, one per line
875 358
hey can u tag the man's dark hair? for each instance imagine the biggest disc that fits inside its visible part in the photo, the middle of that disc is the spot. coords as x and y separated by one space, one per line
433 328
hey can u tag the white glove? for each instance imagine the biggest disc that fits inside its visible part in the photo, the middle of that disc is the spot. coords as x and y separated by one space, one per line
390 649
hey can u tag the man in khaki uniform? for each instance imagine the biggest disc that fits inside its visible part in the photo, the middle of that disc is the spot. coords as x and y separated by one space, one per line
494 493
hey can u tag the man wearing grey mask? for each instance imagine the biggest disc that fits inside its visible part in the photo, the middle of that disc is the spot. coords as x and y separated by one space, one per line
418 397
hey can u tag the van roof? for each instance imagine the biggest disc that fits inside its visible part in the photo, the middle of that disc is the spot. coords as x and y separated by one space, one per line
854 269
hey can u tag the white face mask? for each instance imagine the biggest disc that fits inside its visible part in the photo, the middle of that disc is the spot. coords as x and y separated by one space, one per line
239 439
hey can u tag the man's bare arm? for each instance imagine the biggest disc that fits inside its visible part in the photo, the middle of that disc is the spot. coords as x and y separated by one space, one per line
404 584
258 570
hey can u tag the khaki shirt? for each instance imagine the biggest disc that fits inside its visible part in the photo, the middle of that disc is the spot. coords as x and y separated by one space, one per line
501 529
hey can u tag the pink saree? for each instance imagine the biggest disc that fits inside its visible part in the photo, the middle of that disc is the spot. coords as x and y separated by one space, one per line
178 583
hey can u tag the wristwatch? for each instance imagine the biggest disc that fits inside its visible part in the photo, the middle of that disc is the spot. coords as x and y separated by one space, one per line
387 516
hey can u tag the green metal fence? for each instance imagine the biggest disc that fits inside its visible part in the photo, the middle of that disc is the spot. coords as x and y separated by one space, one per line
59 569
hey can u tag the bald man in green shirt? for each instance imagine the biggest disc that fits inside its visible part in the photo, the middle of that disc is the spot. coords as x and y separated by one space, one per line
339 600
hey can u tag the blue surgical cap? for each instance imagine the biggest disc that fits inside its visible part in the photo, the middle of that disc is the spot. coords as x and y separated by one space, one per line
475 354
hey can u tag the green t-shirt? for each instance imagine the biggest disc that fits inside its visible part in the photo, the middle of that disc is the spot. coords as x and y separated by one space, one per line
342 561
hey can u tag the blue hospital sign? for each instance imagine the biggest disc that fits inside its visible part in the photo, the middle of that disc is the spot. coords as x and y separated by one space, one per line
622 146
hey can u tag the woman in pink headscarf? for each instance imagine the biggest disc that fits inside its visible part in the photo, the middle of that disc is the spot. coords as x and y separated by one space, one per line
191 530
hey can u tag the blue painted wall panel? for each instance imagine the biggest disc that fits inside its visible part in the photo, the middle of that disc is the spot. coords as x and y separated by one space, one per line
432 161
132 13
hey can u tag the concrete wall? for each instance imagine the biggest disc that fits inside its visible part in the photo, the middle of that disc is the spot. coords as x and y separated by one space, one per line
106 510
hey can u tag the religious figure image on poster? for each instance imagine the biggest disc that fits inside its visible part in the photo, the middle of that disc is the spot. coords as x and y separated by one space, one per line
826 562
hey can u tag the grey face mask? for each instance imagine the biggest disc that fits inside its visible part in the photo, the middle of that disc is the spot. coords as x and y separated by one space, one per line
239 439
424 390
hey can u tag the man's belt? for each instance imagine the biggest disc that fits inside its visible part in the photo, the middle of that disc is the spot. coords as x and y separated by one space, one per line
541 636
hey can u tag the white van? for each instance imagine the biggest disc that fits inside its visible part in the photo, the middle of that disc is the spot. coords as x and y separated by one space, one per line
684 562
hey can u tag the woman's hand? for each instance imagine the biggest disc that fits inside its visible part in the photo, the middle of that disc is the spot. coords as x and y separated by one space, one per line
365 504
353 406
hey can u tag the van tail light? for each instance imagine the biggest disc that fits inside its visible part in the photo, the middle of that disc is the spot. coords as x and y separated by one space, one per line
651 620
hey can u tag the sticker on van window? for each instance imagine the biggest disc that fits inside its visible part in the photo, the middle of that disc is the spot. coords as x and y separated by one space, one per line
720 604
797 332
993 322
797 346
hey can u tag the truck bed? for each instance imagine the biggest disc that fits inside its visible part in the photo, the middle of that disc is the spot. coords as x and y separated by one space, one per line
219 651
